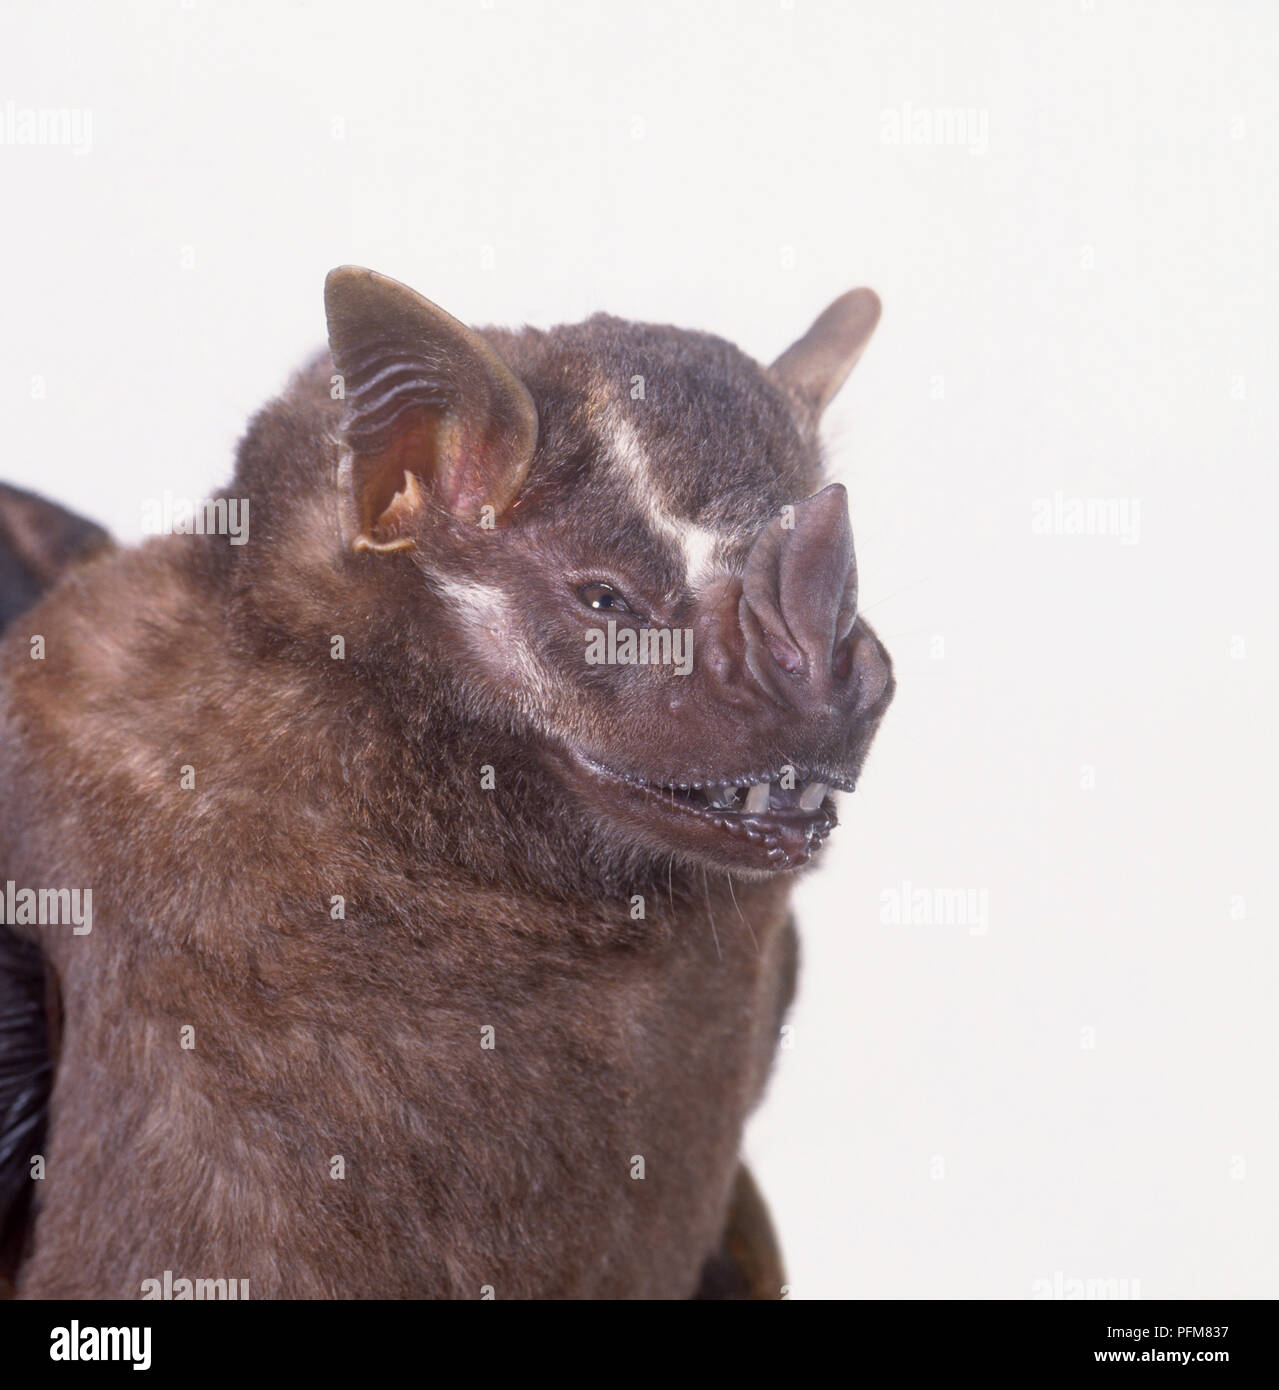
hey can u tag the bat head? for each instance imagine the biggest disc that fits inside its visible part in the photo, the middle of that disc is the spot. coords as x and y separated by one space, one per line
614 547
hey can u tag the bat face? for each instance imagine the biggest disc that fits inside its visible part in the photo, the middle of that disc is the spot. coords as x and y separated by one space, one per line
620 539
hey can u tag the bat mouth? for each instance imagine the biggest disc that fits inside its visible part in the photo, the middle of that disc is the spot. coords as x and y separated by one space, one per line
771 820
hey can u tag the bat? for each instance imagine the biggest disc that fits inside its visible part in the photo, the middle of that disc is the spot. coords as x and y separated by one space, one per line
395 854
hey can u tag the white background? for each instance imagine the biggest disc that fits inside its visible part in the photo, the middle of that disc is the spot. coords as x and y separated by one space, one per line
1083 303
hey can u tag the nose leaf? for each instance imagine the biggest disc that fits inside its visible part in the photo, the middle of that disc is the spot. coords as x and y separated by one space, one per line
799 597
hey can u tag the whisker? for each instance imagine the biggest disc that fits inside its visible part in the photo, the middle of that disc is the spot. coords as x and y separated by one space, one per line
914 584
706 885
742 915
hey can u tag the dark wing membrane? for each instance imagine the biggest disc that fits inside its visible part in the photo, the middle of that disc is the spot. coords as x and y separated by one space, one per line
38 542
19 588
26 1075
747 1267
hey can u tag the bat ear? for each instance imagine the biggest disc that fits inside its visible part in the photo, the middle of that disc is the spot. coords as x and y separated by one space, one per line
813 369
434 417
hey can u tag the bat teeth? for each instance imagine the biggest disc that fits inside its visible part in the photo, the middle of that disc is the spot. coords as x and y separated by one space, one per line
734 799
723 797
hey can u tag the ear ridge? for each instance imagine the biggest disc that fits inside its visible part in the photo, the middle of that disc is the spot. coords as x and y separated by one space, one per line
813 368
426 397
381 387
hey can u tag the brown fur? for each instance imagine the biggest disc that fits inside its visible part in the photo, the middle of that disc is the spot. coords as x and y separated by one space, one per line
616 1038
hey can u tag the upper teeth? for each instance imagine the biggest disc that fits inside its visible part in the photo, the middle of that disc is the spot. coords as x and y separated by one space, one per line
729 797
723 798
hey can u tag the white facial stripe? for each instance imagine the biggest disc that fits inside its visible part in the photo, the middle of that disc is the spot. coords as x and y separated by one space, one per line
496 640
696 543
481 604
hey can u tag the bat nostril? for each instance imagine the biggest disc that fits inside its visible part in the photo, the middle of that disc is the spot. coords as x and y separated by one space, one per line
786 656
842 661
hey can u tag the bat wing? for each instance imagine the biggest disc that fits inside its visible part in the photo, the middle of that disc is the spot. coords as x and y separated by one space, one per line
748 1264
38 543
26 1076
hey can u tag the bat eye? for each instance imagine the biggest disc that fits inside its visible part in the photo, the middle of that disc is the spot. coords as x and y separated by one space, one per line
603 598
